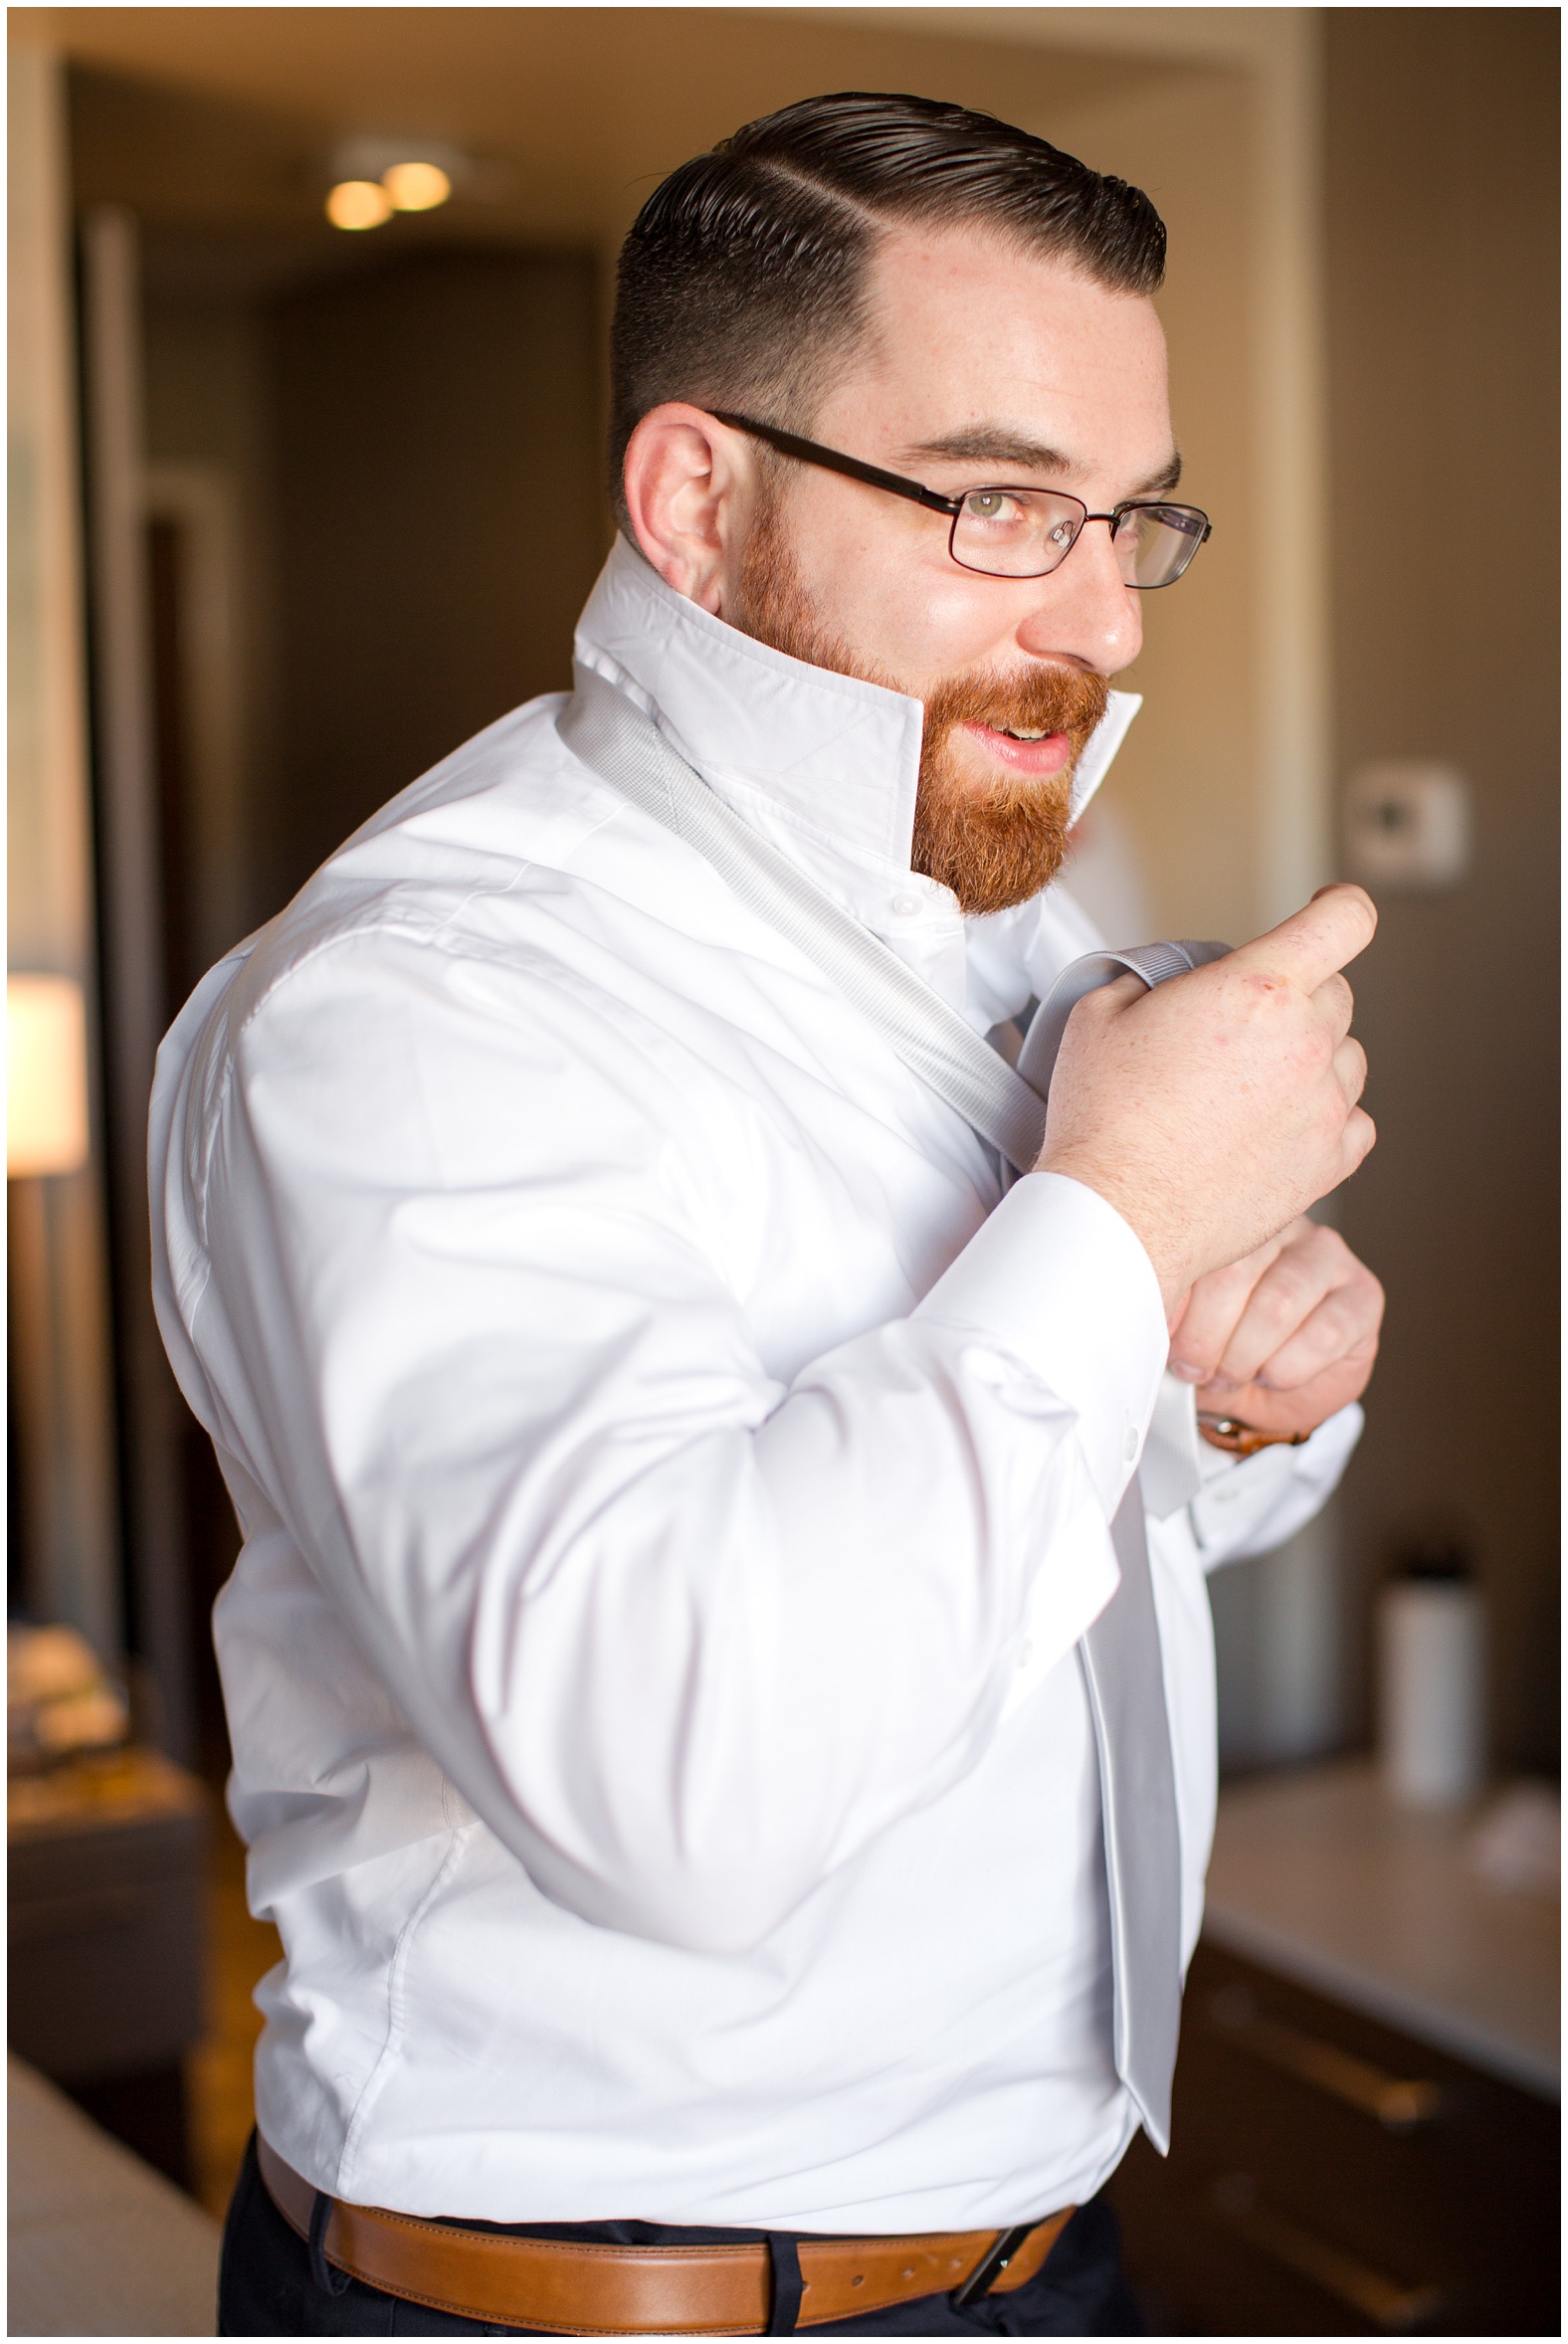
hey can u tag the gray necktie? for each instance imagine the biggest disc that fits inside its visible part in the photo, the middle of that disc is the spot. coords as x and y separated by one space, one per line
1121 1652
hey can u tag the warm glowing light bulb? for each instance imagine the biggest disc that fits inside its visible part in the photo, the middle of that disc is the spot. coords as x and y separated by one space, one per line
358 203
417 187
46 1108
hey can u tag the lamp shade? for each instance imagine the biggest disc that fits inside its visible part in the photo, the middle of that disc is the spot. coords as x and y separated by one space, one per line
46 1100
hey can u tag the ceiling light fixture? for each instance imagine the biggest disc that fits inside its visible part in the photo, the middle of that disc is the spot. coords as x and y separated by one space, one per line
416 186
358 203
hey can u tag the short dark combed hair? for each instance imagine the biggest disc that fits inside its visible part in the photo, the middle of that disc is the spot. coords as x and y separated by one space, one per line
744 274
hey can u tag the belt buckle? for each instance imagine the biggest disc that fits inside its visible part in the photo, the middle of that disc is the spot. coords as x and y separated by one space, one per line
991 2265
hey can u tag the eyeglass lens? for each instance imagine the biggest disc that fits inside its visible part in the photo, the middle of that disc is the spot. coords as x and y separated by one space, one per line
1026 532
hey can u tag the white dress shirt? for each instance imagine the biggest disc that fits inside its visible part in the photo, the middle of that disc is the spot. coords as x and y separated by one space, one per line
672 1485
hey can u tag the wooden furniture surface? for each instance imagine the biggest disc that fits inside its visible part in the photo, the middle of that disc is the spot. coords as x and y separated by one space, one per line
104 1929
1365 2132
1322 1875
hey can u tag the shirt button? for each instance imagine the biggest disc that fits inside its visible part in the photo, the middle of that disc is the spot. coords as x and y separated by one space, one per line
905 906
1129 1444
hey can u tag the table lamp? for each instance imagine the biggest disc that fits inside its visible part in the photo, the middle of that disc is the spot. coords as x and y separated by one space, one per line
45 1136
46 1076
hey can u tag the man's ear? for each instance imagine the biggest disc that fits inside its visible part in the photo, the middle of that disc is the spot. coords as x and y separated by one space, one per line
689 482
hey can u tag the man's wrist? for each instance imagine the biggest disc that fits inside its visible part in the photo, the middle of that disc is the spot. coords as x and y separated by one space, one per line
1126 1198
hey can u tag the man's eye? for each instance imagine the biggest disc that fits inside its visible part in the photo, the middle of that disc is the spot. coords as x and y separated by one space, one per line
990 504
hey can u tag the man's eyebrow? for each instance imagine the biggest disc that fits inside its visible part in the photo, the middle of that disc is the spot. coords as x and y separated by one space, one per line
994 443
1161 483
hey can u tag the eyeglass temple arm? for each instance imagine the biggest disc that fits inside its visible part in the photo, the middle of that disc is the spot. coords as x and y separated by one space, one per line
808 451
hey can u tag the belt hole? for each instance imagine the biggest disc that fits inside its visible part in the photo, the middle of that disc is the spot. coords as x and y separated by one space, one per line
909 2273
858 2279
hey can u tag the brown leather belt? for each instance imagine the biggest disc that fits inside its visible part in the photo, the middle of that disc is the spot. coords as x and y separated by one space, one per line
574 2288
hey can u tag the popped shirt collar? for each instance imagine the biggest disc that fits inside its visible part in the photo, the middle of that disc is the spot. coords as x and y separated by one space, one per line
822 765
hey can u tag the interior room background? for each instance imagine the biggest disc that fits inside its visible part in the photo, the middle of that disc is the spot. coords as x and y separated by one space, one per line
294 511
345 499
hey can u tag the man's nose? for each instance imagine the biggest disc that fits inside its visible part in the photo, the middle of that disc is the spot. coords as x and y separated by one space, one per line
1085 610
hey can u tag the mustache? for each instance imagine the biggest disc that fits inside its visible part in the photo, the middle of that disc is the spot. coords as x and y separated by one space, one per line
1041 699
999 845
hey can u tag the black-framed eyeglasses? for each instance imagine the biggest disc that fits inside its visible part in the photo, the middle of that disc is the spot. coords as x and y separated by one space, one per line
1016 532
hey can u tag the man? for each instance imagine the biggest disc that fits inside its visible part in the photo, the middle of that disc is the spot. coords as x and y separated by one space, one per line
676 1480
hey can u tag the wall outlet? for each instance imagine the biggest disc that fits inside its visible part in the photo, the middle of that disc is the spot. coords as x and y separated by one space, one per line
1407 824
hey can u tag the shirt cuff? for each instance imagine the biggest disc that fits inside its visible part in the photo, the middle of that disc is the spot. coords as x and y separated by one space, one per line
1057 1276
1248 1504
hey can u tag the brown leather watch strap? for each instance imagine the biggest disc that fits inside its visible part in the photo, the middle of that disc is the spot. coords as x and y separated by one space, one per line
569 2287
1228 1433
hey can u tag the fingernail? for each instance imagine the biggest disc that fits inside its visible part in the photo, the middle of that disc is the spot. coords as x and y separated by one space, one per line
1222 1384
1188 1375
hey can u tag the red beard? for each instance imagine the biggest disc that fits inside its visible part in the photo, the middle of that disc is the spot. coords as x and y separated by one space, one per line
994 846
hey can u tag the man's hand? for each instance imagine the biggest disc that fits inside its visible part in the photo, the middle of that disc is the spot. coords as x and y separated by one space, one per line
1284 1339
1214 1109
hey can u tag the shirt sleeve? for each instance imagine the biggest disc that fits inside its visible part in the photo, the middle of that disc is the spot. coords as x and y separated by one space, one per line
685 1636
1250 1504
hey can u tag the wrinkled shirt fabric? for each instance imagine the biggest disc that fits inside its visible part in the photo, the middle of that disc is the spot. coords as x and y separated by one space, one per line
673 1482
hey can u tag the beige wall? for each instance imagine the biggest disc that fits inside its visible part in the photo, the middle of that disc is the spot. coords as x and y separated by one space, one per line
1443 241
1188 780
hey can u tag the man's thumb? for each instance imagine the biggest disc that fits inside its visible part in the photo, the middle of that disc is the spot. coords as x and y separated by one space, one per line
1316 941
